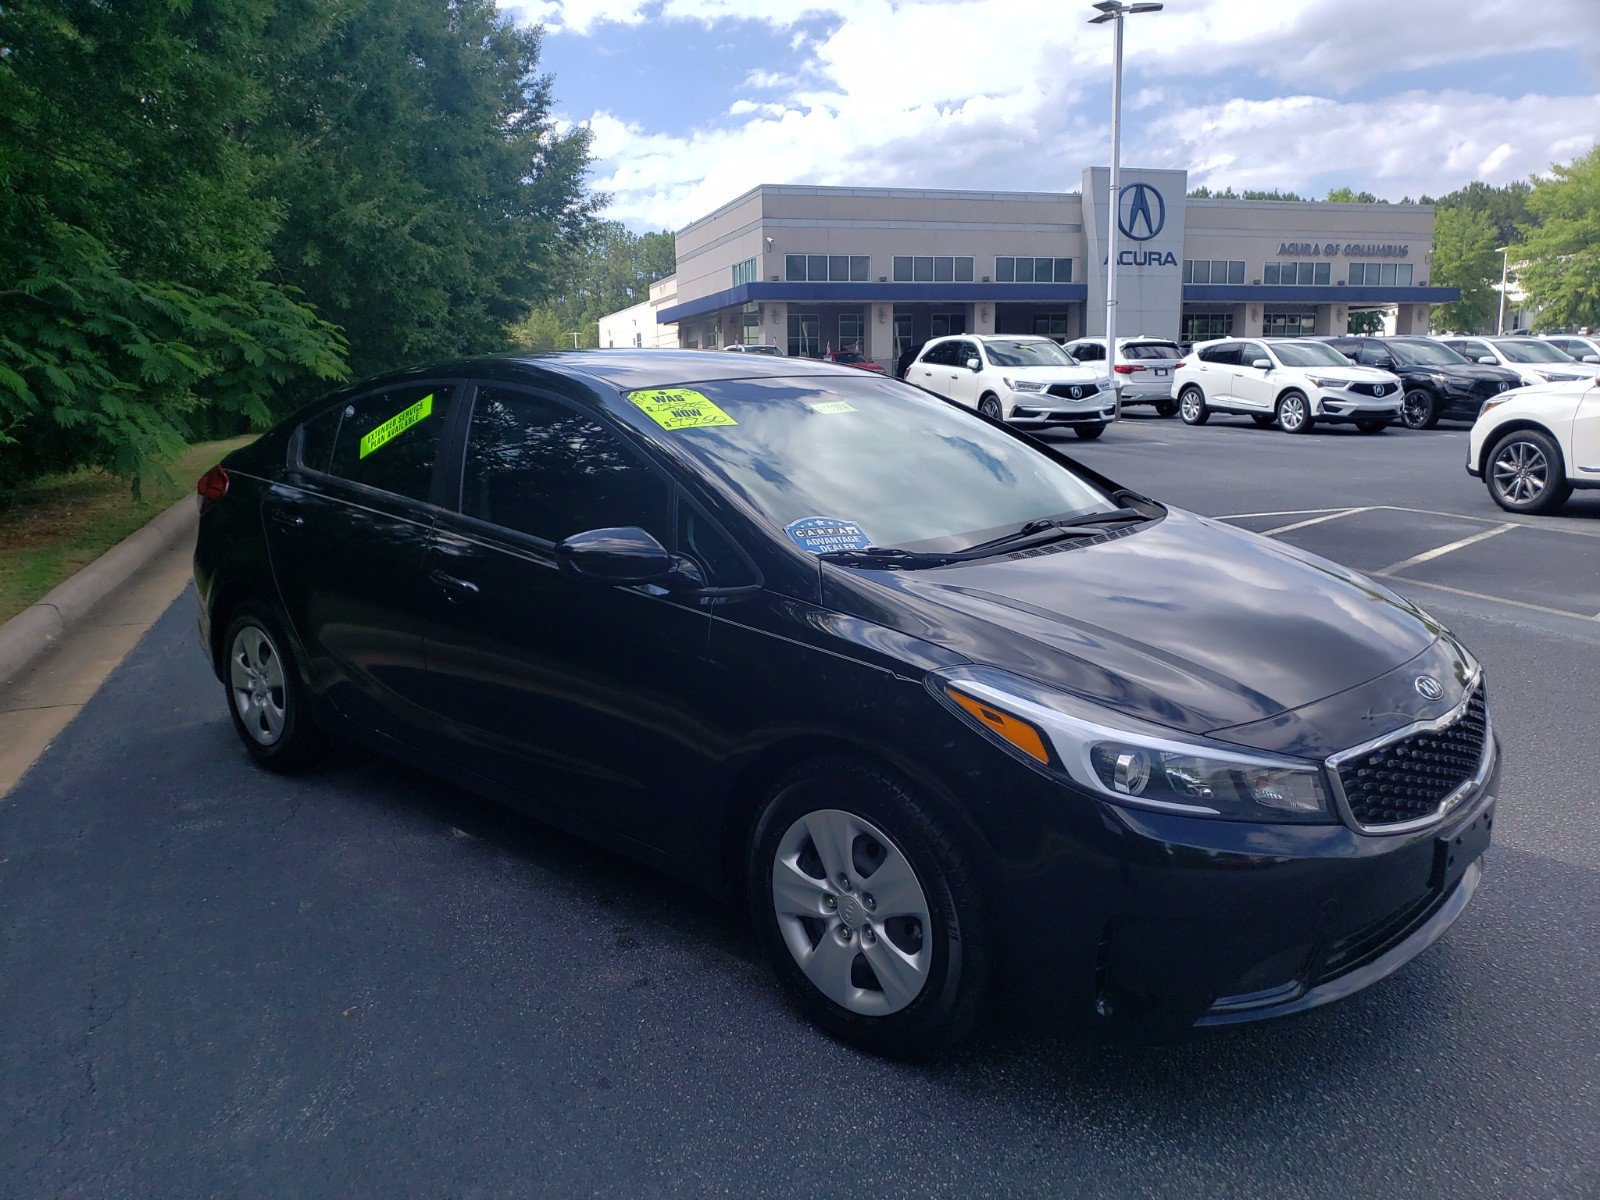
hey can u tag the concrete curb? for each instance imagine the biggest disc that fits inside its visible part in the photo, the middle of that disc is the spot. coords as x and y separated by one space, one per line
25 638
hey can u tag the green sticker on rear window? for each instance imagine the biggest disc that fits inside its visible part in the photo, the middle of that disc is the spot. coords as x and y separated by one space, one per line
833 406
679 408
396 425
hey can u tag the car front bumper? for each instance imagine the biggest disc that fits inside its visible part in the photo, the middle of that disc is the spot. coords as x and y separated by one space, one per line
1035 415
1336 407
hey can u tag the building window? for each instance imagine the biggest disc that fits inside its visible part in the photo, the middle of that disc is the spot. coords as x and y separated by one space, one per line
1051 325
852 332
827 268
1012 269
1380 274
1202 327
902 337
745 272
638 340
1288 324
1297 273
804 335
1213 270
940 268
750 331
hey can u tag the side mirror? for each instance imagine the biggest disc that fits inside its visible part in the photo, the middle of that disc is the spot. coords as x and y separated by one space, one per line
974 364
1488 359
1262 364
1594 358
627 556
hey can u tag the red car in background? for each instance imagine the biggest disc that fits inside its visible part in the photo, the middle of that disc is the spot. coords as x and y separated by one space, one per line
850 358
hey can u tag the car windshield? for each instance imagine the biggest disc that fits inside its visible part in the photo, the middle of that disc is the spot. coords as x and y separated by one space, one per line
1034 352
1134 351
909 470
1308 354
1532 352
1424 354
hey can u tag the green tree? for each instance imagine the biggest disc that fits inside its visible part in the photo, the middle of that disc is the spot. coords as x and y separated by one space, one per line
429 197
1369 321
1464 257
1559 260
1505 206
610 268
1345 195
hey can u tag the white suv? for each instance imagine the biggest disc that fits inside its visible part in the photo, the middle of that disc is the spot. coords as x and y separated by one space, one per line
1533 445
1144 363
1292 382
1027 381
1584 347
1536 361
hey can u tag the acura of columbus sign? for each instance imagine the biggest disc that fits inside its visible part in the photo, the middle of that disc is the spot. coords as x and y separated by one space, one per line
1351 249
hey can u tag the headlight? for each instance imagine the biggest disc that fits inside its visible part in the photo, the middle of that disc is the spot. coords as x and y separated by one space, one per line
1132 762
1022 385
1319 381
1492 402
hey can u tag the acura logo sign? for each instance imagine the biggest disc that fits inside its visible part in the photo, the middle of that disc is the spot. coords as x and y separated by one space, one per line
1141 212
1075 392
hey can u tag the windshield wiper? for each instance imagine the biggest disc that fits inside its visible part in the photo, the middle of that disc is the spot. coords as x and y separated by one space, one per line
889 557
1085 525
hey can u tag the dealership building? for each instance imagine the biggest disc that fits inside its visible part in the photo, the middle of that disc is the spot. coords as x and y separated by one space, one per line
881 270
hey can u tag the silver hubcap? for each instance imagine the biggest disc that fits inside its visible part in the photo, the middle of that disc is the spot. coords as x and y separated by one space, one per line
1521 472
990 409
1191 405
1293 413
852 912
255 675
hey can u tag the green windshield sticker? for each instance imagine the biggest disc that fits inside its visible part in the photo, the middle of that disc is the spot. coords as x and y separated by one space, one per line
833 406
396 425
679 408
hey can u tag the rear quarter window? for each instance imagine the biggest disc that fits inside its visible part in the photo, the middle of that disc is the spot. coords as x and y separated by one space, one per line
387 440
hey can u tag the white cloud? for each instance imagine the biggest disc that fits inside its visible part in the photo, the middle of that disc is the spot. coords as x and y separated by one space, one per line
1013 93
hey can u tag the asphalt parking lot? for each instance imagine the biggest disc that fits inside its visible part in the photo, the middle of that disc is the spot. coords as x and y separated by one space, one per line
363 981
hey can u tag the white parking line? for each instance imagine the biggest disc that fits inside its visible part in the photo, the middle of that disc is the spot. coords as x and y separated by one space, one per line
1287 512
1448 548
1455 591
1333 516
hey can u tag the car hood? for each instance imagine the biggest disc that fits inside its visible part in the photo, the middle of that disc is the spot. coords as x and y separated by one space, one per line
1349 374
1048 375
1463 371
1185 622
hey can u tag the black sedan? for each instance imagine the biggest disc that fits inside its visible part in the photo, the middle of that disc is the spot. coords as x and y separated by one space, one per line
961 721
1438 382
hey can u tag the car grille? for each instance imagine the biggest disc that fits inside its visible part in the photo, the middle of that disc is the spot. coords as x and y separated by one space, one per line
1409 779
1373 389
1372 942
1491 387
1074 391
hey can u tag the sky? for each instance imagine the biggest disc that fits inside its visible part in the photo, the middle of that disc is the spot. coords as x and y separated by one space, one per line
693 102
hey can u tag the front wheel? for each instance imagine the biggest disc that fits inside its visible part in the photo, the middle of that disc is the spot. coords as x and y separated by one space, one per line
1294 413
268 703
1089 432
869 909
990 407
1525 473
1419 410
1166 408
1372 426
1192 405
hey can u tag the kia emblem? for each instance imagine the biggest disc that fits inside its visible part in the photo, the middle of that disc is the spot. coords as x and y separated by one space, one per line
1428 687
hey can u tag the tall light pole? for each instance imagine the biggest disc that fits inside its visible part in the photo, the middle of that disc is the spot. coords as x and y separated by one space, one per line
1114 10
1500 321
574 336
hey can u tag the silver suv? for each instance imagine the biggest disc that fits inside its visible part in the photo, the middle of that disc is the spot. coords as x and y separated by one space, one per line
1144 367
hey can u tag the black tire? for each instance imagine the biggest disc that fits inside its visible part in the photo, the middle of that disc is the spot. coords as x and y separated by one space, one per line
1088 432
1192 406
273 718
989 406
954 979
1264 420
1297 407
1373 426
1166 408
1419 409
1525 473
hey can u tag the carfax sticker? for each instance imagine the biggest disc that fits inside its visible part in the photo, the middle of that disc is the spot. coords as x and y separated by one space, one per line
395 426
833 406
820 535
679 408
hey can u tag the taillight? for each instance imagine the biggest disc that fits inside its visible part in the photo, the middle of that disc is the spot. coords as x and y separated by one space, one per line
1128 368
1182 362
213 486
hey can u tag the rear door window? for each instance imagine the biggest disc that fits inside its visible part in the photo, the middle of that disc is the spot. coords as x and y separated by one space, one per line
387 439
538 467
1089 352
1136 351
1226 354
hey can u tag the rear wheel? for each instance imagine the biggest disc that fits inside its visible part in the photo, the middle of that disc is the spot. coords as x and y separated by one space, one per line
1192 404
989 406
1526 474
1166 408
1419 410
266 699
1372 426
1294 413
1088 432
869 909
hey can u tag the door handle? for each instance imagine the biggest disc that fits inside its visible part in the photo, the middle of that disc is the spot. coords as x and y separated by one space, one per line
287 515
453 588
